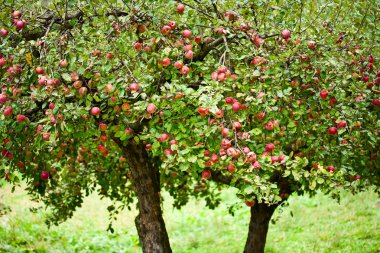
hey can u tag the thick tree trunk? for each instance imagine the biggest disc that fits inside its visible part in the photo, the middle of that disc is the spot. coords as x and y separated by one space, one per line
149 223
258 227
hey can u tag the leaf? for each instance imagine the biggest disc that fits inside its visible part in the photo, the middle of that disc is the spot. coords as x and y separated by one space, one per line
66 77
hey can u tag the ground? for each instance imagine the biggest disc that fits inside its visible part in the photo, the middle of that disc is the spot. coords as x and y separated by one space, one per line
316 224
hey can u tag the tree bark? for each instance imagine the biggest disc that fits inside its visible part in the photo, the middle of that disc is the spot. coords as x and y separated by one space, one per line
258 227
146 178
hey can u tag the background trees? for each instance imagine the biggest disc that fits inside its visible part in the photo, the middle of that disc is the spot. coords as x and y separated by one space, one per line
126 98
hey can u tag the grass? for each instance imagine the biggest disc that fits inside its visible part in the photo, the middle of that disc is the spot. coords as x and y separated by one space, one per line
318 224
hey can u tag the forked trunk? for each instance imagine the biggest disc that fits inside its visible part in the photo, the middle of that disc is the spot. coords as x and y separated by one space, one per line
149 223
258 227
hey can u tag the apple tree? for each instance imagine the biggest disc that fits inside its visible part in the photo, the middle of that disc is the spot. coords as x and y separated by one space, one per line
130 97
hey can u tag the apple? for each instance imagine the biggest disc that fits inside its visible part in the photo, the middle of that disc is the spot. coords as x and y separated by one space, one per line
44 175
3 33
285 34
184 70
236 125
333 130
95 110
269 126
82 91
186 33
231 167
20 24
342 124
214 158
163 137
323 94
236 106
137 46
178 64
21 118
256 165
148 147
188 47
3 98
376 102
180 8
166 30
46 136
172 24
103 127
225 132
311 44
17 14
229 100
330 168
165 62
6 153
141 28
3 61
206 174
226 143
8 111
40 71
168 151
151 108
219 114
269 147
206 153
189 54
274 159
109 56
250 203
128 131
134 86
103 138
63 63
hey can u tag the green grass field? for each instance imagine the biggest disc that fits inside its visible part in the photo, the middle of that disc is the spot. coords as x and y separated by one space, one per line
318 224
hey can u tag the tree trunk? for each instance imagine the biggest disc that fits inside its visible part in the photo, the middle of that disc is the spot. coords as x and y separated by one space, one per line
146 178
258 227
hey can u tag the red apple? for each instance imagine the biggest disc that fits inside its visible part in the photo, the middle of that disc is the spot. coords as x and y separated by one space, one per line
184 70
180 8
186 33
330 168
342 124
206 174
3 98
269 147
189 54
40 71
250 203
311 44
3 33
323 94
168 151
236 106
44 175
21 118
8 111
134 86
172 24
95 111
46 136
333 130
178 64
285 34
151 108
231 167
165 62
166 30
17 14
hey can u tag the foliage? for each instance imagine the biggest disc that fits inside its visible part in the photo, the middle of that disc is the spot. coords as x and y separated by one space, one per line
217 92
